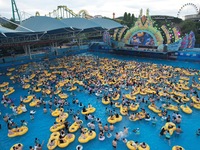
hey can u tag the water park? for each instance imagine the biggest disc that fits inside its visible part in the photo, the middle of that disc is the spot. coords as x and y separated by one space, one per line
85 82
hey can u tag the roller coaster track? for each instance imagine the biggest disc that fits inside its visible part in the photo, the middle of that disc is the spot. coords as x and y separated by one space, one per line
64 12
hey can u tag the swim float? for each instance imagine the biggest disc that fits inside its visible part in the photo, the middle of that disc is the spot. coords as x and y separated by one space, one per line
106 102
18 131
130 96
16 145
170 126
75 126
154 109
114 119
89 110
87 137
143 148
134 107
57 127
175 147
63 95
186 109
69 138
131 145
116 98
34 102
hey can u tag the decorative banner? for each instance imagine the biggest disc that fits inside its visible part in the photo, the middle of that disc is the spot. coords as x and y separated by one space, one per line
174 46
121 32
164 28
176 33
184 42
191 40
115 33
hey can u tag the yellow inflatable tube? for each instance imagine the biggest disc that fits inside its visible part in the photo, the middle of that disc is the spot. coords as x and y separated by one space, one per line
10 92
26 86
37 90
134 107
131 97
57 127
89 111
124 110
18 132
197 106
63 96
55 135
194 99
16 145
4 84
88 137
114 120
75 126
131 145
34 103
57 112
53 146
28 99
106 102
68 138
57 91
142 148
154 109
116 98
175 147
170 129
186 109
62 118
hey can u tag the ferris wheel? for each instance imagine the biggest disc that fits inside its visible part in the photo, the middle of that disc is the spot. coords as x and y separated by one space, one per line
184 9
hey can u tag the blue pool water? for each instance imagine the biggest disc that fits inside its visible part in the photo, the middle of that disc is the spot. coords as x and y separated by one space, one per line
39 127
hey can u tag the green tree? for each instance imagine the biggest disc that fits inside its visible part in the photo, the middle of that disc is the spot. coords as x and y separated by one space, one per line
189 25
129 17
125 16
133 18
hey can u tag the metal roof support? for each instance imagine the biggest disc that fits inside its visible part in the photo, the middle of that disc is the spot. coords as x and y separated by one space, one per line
55 47
29 51
25 49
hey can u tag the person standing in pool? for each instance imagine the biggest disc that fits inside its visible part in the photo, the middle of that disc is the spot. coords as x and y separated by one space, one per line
198 132
162 131
111 127
114 143
168 136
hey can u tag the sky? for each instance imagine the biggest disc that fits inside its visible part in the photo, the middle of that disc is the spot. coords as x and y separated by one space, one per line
100 7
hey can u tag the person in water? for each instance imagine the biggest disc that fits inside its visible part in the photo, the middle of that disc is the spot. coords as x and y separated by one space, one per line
198 132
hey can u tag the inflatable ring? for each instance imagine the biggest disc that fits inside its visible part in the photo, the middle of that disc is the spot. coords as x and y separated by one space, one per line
109 135
141 148
12 148
175 147
79 147
102 138
130 145
186 109
171 130
85 130
55 135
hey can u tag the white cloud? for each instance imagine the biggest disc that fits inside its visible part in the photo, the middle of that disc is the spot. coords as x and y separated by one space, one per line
99 7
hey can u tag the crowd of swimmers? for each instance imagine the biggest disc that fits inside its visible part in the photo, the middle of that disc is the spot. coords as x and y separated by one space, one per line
94 86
